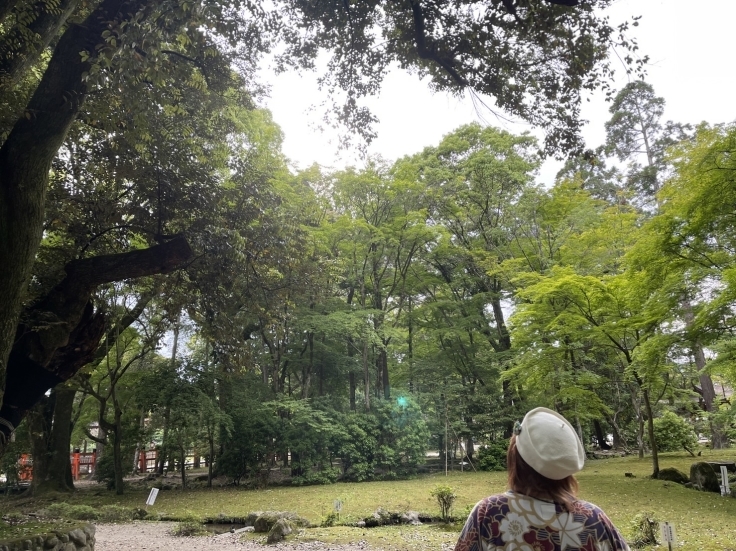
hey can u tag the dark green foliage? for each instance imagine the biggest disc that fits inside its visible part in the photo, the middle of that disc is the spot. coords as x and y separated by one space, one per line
248 445
105 470
492 456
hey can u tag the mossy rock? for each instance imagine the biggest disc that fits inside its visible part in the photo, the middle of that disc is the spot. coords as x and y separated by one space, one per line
279 531
673 475
703 477
267 519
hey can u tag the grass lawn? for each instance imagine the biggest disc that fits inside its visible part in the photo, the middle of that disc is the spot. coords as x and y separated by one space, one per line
703 521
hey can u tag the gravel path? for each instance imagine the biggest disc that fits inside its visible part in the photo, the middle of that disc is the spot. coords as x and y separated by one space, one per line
155 536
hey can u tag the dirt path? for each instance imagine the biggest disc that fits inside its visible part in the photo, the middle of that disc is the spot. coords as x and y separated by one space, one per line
155 536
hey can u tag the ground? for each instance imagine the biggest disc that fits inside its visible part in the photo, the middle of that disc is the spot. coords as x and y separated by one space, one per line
156 536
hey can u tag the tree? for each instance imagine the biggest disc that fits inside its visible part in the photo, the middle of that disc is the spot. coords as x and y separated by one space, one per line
636 131
138 48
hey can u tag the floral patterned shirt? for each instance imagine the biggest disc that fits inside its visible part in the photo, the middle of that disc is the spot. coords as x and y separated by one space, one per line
515 522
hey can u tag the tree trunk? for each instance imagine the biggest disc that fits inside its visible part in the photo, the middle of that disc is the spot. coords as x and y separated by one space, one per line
708 392
117 452
366 377
351 376
600 436
59 475
650 427
39 427
63 331
183 461
211 442
382 362
25 161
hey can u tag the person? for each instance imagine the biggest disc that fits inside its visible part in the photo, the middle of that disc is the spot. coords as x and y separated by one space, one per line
541 512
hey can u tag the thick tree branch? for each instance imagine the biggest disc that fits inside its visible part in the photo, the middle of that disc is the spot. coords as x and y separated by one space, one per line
62 333
428 52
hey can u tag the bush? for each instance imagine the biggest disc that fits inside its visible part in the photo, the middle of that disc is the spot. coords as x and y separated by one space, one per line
117 513
445 498
328 475
673 433
105 469
644 527
188 527
69 511
332 518
492 457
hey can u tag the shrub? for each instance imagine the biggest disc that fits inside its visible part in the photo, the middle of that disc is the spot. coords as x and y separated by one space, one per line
105 470
332 518
445 498
643 530
492 457
673 433
327 475
188 527
117 513
69 511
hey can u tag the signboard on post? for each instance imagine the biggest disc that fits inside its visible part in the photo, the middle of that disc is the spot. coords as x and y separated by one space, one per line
668 534
725 488
152 497
338 505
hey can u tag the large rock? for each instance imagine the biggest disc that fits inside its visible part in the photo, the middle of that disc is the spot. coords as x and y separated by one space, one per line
268 519
279 531
673 475
410 517
703 477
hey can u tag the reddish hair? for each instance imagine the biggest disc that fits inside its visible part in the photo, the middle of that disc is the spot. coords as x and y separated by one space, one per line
525 480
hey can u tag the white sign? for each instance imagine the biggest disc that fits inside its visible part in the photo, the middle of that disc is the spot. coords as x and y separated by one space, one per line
668 533
725 489
152 496
338 505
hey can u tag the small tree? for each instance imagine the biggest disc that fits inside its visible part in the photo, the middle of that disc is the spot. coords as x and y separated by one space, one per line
445 498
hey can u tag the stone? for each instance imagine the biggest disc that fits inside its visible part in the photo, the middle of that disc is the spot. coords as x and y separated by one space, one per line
250 520
69 547
673 475
704 477
266 521
410 517
360 524
279 531
64 538
51 542
78 537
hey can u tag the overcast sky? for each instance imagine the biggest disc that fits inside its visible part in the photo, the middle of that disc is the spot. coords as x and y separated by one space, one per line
689 44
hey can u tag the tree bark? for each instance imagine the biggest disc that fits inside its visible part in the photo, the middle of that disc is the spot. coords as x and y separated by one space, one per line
25 161
650 429
44 29
39 425
62 332
58 477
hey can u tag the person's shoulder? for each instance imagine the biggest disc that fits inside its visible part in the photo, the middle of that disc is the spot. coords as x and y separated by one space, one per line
492 502
591 509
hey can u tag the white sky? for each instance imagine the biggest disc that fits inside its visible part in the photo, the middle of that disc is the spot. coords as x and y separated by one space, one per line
688 42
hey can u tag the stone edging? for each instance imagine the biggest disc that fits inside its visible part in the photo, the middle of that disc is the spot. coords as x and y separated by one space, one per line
78 539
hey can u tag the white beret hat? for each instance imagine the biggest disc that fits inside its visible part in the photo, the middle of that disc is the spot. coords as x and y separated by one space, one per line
549 444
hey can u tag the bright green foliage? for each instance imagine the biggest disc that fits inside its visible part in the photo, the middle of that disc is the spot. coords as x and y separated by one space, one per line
445 496
673 433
